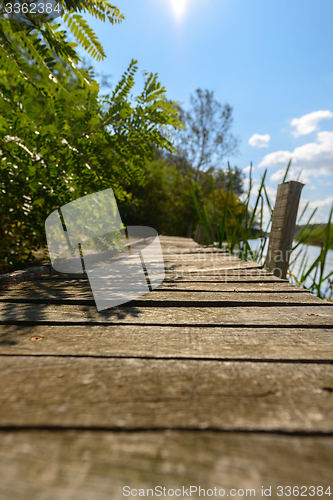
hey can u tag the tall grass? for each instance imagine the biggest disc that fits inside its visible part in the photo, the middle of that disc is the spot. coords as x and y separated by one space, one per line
238 223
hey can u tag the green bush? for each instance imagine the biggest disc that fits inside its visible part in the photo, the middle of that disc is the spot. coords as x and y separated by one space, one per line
161 200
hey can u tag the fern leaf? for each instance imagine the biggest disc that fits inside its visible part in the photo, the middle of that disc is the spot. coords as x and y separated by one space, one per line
85 35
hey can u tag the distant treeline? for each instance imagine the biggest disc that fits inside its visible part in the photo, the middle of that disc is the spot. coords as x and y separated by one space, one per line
314 234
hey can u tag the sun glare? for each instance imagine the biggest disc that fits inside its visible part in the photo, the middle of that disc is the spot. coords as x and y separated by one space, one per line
178 8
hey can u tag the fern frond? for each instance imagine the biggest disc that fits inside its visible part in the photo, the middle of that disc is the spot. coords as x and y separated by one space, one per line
101 9
64 49
32 44
85 36
14 65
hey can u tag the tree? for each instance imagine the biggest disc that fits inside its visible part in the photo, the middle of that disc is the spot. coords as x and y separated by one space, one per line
206 138
61 140
223 177
162 200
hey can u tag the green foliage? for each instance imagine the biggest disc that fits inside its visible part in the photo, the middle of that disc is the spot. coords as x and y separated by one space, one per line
162 200
40 43
221 178
58 146
225 216
59 138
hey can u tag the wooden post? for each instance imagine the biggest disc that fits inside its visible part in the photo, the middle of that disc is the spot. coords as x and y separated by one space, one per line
199 235
283 227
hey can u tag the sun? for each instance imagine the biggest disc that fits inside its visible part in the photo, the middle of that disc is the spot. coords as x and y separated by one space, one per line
178 8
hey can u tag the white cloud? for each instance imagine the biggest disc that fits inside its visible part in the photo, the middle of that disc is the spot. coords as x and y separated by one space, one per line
259 141
278 175
327 203
246 183
247 169
293 174
309 123
314 158
323 210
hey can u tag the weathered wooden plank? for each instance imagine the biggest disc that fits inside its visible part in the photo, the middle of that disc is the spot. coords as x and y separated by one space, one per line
49 288
80 291
246 275
179 245
287 316
248 287
203 257
220 274
174 298
228 277
183 253
182 249
81 288
223 299
189 266
169 342
201 253
194 252
69 465
176 240
127 393
24 275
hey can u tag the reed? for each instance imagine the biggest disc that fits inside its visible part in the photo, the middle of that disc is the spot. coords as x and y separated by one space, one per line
237 223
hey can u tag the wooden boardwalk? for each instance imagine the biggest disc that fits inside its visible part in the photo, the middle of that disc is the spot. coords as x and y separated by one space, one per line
220 378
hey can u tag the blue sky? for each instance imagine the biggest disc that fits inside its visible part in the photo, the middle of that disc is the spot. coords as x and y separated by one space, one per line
271 60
